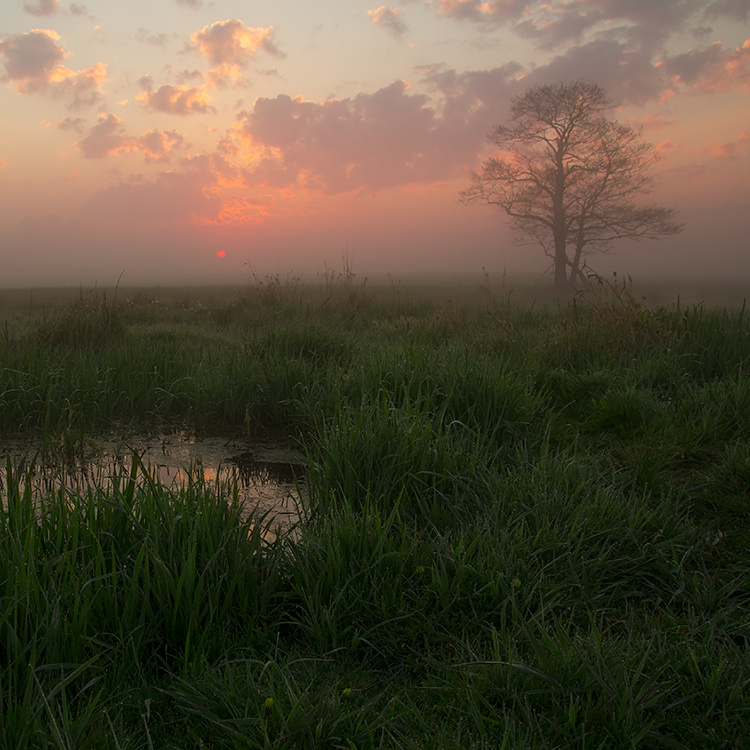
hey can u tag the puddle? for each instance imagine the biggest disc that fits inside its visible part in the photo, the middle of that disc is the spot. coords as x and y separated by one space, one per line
270 473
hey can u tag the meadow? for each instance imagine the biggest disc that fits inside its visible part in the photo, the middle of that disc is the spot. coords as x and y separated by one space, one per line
527 523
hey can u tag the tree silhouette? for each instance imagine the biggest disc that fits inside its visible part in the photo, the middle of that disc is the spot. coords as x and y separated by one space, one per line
567 176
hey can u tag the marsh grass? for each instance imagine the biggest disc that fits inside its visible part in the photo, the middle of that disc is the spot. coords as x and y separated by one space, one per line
525 529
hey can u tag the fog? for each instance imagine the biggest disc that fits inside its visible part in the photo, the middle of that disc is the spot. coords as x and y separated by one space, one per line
436 236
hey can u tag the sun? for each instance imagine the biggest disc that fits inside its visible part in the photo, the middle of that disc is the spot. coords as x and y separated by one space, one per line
221 253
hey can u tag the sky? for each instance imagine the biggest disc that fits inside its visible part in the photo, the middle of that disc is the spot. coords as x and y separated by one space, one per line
210 141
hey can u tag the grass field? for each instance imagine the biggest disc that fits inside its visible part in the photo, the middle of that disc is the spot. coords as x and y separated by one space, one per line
528 523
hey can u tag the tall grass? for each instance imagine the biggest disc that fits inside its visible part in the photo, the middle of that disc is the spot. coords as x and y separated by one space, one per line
524 529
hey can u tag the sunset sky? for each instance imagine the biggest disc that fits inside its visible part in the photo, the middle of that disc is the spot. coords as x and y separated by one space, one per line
145 137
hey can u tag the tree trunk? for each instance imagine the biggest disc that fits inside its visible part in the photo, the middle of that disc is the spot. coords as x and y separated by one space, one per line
559 231
561 267
561 250
575 265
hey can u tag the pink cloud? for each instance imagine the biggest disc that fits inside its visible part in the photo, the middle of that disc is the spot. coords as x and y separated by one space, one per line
33 65
214 170
229 46
157 145
376 140
733 149
193 193
82 88
667 147
108 137
235 212
177 100
31 58
171 199
388 18
371 141
709 69
232 43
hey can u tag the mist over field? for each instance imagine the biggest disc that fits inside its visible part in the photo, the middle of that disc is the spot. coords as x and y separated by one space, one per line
146 141
700 255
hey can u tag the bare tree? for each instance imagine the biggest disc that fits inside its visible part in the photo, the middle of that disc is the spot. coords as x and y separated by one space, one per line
567 176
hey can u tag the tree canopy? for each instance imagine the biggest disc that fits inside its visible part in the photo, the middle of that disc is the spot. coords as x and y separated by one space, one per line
567 176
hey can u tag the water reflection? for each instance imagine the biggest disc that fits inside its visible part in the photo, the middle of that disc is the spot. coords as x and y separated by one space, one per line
269 472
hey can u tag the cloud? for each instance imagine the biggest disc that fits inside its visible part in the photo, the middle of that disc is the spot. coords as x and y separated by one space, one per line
33 65
668 147
189 75
495 11
372 141
229 46
177 100
171 199
341 145
189 194
235 212
231 43
78 10
214 170
664 15
739 10
31 58
557 25
143 35
552 23
389 18
82 88
628 75
42 7
709 69
632 74
733 149
190 3
69 124
108 137
158 144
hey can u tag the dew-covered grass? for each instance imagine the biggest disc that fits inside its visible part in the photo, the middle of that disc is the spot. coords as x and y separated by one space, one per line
527 527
